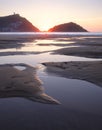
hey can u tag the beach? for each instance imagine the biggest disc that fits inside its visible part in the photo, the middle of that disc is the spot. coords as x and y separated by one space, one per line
51 83
83 47
83 70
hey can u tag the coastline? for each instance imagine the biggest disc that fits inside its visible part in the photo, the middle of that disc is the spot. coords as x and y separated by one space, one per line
89 47
80 101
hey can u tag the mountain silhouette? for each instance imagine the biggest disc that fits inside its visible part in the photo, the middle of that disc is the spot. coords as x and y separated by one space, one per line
16 23
67 27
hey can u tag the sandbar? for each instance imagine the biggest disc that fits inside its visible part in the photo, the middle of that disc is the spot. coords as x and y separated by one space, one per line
22 83
83 47
90 71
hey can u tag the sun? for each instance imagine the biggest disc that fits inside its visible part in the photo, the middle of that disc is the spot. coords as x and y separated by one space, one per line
45 27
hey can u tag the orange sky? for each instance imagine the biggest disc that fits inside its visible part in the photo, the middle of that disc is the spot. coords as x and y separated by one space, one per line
45 14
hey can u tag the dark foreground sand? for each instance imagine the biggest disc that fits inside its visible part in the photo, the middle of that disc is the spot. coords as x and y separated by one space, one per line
90 71
22 83
35 116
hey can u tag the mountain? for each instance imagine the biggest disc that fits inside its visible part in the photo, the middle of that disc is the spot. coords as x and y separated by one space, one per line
16 23
67 27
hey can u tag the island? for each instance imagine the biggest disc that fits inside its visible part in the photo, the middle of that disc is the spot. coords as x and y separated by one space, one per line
16 23
67 27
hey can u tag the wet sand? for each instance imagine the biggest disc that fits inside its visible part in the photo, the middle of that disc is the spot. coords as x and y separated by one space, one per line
90 71
90 47
83 47
82 51
22 83
18 113
5 44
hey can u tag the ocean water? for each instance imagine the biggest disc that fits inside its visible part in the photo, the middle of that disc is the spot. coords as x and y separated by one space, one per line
81 104
36 35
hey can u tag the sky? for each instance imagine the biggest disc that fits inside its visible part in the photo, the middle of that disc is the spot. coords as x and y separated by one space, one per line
45 14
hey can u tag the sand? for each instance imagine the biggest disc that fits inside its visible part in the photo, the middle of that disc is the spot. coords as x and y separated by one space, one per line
84 70
90 71
83 47
22 83
21 53
26 84
82 51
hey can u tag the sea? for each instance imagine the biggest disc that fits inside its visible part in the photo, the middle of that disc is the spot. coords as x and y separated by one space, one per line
81 101
48 34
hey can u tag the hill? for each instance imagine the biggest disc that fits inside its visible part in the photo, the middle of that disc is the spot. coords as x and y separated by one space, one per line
16 23
67 27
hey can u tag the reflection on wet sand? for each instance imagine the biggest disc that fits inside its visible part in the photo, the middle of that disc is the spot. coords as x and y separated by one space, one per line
22 83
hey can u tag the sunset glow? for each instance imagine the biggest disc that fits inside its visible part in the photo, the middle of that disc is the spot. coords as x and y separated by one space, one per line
46 14
45 27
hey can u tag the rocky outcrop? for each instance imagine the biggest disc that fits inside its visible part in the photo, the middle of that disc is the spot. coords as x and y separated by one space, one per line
16 23
67 27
